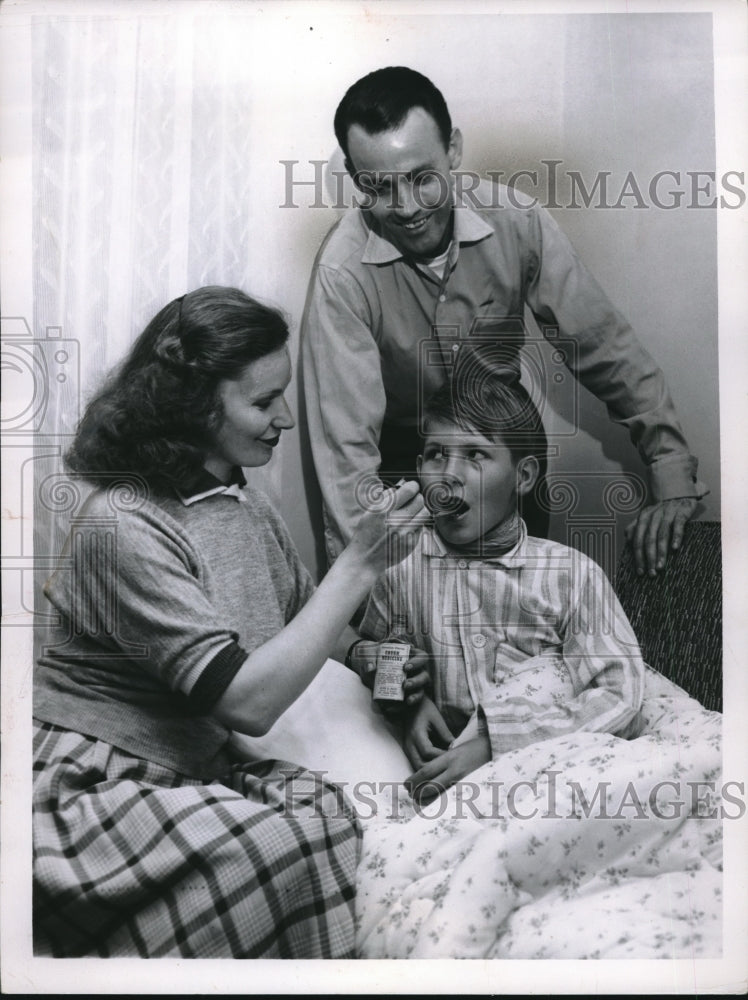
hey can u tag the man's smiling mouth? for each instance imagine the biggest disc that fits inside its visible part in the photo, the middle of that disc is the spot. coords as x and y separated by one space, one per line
415 226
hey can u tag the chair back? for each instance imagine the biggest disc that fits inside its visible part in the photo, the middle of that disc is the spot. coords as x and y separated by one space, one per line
677 615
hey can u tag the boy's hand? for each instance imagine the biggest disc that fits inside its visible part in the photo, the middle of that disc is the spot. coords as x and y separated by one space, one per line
427 735
418 678
437 775
362 659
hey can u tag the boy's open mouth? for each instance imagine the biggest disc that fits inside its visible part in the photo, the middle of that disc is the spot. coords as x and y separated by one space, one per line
458 511
444 503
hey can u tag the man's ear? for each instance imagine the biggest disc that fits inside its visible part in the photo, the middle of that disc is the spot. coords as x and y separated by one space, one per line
528 470
454 150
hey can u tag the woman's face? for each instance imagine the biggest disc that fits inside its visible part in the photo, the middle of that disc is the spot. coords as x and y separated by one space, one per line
254 414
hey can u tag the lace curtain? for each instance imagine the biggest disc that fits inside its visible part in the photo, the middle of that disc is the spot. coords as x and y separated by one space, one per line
141 146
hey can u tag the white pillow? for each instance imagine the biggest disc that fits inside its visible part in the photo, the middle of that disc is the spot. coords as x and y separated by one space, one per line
334 727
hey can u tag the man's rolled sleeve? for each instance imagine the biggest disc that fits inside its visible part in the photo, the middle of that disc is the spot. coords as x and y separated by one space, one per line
675 476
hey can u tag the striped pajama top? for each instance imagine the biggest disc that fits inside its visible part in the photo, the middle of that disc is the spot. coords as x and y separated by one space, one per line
529 645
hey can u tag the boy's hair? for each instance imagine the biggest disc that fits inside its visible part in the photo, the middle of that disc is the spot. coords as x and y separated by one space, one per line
485 395
381 101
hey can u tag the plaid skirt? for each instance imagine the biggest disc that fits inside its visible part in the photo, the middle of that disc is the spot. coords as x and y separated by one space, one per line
133 859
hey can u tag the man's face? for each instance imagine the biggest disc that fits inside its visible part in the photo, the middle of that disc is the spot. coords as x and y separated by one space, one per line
406 175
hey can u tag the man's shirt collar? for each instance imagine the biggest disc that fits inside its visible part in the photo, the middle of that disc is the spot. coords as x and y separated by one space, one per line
469 227
208 485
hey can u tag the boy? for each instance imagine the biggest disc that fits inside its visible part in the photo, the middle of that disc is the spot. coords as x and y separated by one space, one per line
526 638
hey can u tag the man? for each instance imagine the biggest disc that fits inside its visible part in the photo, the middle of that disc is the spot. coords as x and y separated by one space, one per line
405 277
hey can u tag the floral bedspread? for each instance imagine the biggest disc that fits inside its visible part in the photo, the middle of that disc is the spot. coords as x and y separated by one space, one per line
586 846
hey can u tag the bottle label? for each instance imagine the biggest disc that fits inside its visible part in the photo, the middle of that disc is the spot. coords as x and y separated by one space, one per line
391 660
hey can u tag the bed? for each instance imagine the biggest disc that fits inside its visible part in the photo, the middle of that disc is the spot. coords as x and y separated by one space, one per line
585 846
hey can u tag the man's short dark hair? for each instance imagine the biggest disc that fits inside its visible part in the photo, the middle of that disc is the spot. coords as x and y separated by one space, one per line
485 395
381 101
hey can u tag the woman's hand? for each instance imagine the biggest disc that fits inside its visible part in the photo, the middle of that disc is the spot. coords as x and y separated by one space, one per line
389 528
437 775
427 735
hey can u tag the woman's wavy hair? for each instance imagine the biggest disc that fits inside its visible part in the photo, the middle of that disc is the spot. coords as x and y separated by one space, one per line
157 412
485 395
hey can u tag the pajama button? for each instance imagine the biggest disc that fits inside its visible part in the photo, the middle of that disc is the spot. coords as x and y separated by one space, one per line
462 564
479 640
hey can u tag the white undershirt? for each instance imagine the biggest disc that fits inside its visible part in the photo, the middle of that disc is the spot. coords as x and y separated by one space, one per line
437 264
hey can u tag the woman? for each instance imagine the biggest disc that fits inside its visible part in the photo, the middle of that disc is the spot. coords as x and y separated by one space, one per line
185 613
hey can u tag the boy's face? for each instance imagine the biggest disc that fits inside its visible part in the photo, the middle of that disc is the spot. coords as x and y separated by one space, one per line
469 482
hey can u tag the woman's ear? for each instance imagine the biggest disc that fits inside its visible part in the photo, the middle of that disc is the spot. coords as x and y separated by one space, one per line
528 470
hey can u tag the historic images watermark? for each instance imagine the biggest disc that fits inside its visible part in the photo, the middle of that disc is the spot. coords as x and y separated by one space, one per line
313 184
40 409
549 798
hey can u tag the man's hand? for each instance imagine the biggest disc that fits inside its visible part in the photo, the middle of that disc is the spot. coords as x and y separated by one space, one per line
427 735
437 775
657 531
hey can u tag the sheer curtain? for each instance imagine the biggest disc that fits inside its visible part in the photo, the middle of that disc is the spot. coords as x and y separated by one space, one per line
140 180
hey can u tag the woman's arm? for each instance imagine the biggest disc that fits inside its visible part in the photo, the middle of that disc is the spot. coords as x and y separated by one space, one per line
275 674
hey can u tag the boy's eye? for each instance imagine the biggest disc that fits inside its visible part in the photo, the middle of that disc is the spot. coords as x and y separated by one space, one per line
476 453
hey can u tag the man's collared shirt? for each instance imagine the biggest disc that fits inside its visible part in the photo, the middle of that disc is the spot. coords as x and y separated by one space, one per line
381 332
